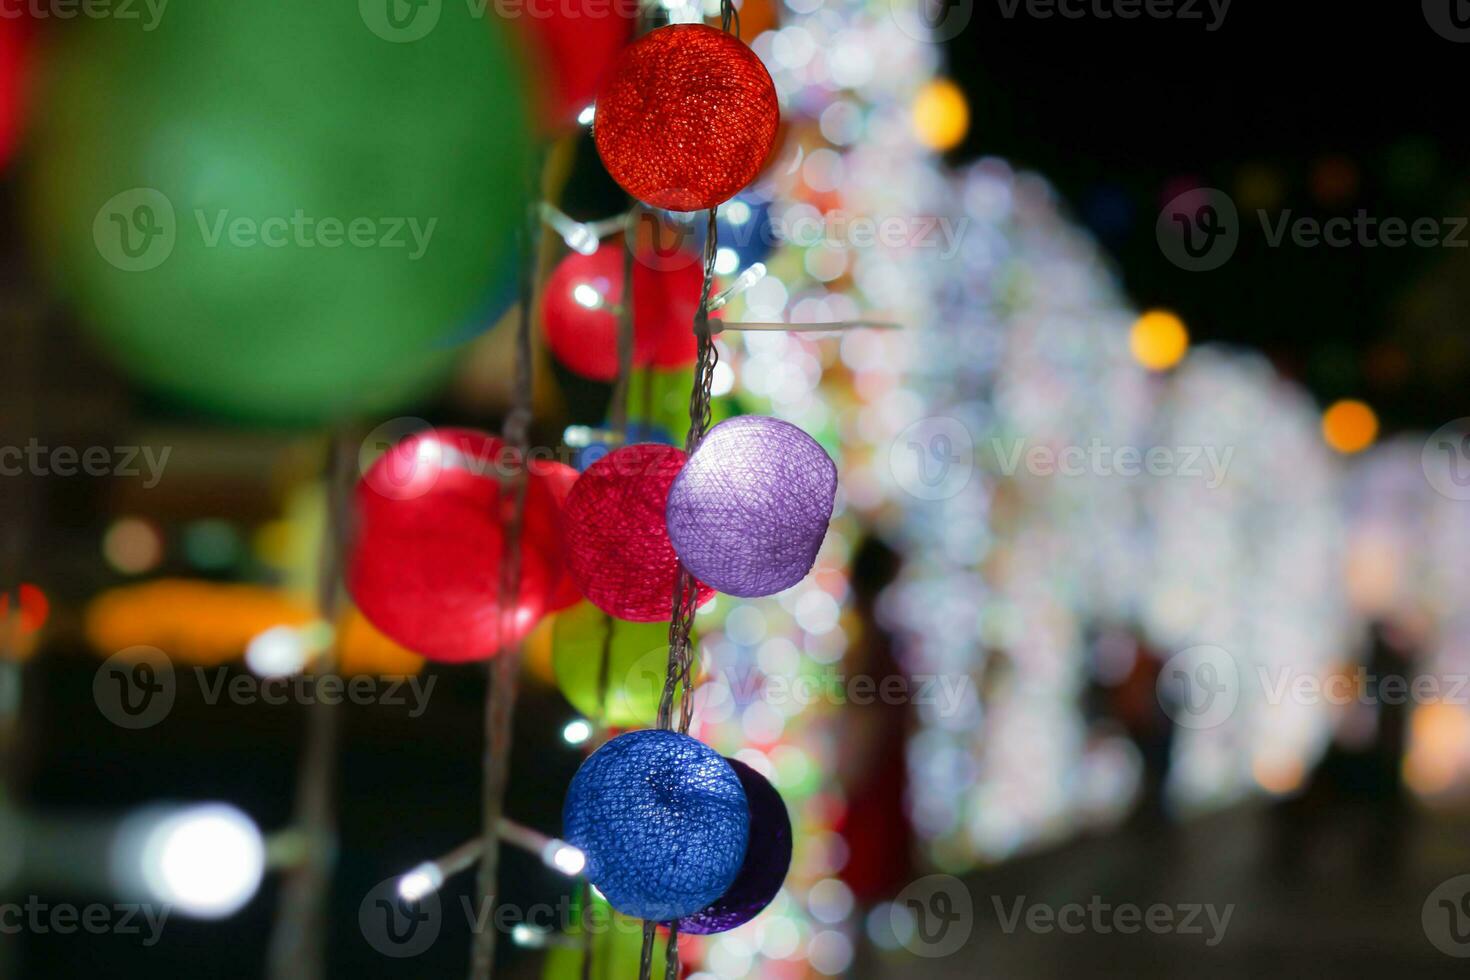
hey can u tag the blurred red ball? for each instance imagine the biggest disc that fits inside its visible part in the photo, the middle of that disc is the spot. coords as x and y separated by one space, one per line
573 44
617 544
14 38
558 479
585 338
687 118
425 561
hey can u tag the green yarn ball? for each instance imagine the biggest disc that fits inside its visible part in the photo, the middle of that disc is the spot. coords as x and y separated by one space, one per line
636 667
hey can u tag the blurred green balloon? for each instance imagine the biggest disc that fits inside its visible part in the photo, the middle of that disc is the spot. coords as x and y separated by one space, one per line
636 668
278 209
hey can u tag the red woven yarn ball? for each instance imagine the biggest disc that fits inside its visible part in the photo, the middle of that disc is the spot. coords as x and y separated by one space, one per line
687 118
617 544
425 561
586 339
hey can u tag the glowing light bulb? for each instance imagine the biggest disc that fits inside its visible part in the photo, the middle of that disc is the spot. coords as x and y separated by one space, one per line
421 882
580 237
727 260
576 732
587 296
205 860
1158 340
564 858
748 278
278 652
1349 426
941 115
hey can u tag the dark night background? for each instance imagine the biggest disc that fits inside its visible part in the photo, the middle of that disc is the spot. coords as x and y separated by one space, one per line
1320 108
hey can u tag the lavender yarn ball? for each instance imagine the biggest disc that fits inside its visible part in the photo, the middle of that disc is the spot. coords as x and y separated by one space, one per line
750 508
663 821
767 860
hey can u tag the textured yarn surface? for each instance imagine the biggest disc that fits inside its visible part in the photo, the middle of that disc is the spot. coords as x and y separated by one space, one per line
687 118
617 547
424 564
748 513
663 821
586 340
637 656
767 859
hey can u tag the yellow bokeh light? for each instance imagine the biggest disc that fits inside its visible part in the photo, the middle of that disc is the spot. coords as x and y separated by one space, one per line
941 115
1158 340
1349 426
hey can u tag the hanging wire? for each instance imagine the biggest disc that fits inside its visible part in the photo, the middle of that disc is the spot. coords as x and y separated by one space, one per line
500 699
297 948
678 677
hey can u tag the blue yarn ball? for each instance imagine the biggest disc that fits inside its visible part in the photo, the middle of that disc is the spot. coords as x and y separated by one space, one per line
663 821
744 226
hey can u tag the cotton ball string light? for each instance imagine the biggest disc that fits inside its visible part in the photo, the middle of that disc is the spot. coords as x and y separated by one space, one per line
425 562
687 118
617 546
663 821
767 859
579 315
573 45
637 658
557 477
748 512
